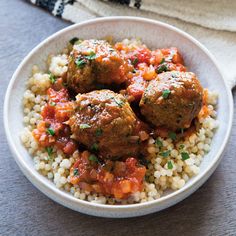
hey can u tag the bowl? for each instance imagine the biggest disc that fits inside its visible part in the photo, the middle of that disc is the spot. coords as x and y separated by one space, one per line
154 34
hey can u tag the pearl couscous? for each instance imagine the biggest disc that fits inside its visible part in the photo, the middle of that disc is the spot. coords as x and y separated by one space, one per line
169 162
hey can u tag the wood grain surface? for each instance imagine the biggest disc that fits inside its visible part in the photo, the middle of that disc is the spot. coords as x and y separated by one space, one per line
26 211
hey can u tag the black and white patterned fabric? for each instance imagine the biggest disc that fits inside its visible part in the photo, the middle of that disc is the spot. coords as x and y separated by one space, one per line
56 7
212 22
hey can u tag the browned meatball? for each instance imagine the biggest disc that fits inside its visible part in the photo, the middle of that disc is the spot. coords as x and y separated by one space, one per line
104 122
172 100
94 63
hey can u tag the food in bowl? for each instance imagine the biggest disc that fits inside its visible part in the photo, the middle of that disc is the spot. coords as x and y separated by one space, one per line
117 123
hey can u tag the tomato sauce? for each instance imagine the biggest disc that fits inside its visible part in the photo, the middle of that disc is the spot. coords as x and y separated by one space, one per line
114 178
147 65
52 130
118 179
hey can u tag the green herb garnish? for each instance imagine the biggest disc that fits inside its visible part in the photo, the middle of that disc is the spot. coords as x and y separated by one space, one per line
162 68
52 78
134 62
80 62
76 172
94 147
49 151
93 158
98 132
162 60
91 56
185 156
172 135
158 143
169 165
73 40
166 93
181 146
118 102
51 131
84 126
165 154
53 104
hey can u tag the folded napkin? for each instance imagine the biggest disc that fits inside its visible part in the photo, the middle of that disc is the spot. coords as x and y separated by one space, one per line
213 23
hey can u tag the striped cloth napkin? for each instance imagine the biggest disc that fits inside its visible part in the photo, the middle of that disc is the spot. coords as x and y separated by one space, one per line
213 23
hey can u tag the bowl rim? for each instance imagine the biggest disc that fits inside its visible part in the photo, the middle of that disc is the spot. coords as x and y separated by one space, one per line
67 199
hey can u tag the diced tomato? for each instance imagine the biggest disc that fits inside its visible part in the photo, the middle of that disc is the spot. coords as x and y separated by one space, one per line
125 179
172 55
63 111
58 84
137 87
41 135
147 72
48 112
157 57
70 147
52 129
58 96
140 55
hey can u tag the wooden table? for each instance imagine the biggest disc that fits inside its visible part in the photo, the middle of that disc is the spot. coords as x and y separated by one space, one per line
26 211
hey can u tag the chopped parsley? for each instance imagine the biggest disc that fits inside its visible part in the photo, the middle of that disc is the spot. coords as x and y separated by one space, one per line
93 158
49 151
158 143
52 78
80 62
53 104
181 146
73 40
84 126
118 102
94 147
51 131
162 68
91 56
166 93
76 172
169 165
165 154
134 62
98 132
172 135
185 156
162 60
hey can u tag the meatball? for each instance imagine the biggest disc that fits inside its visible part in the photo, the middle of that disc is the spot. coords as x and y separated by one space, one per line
104 122
93 63
172 100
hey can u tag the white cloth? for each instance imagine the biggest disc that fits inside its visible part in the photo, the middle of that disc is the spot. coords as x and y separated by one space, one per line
213 23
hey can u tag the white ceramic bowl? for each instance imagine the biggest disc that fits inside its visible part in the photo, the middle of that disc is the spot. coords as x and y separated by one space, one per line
155 34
